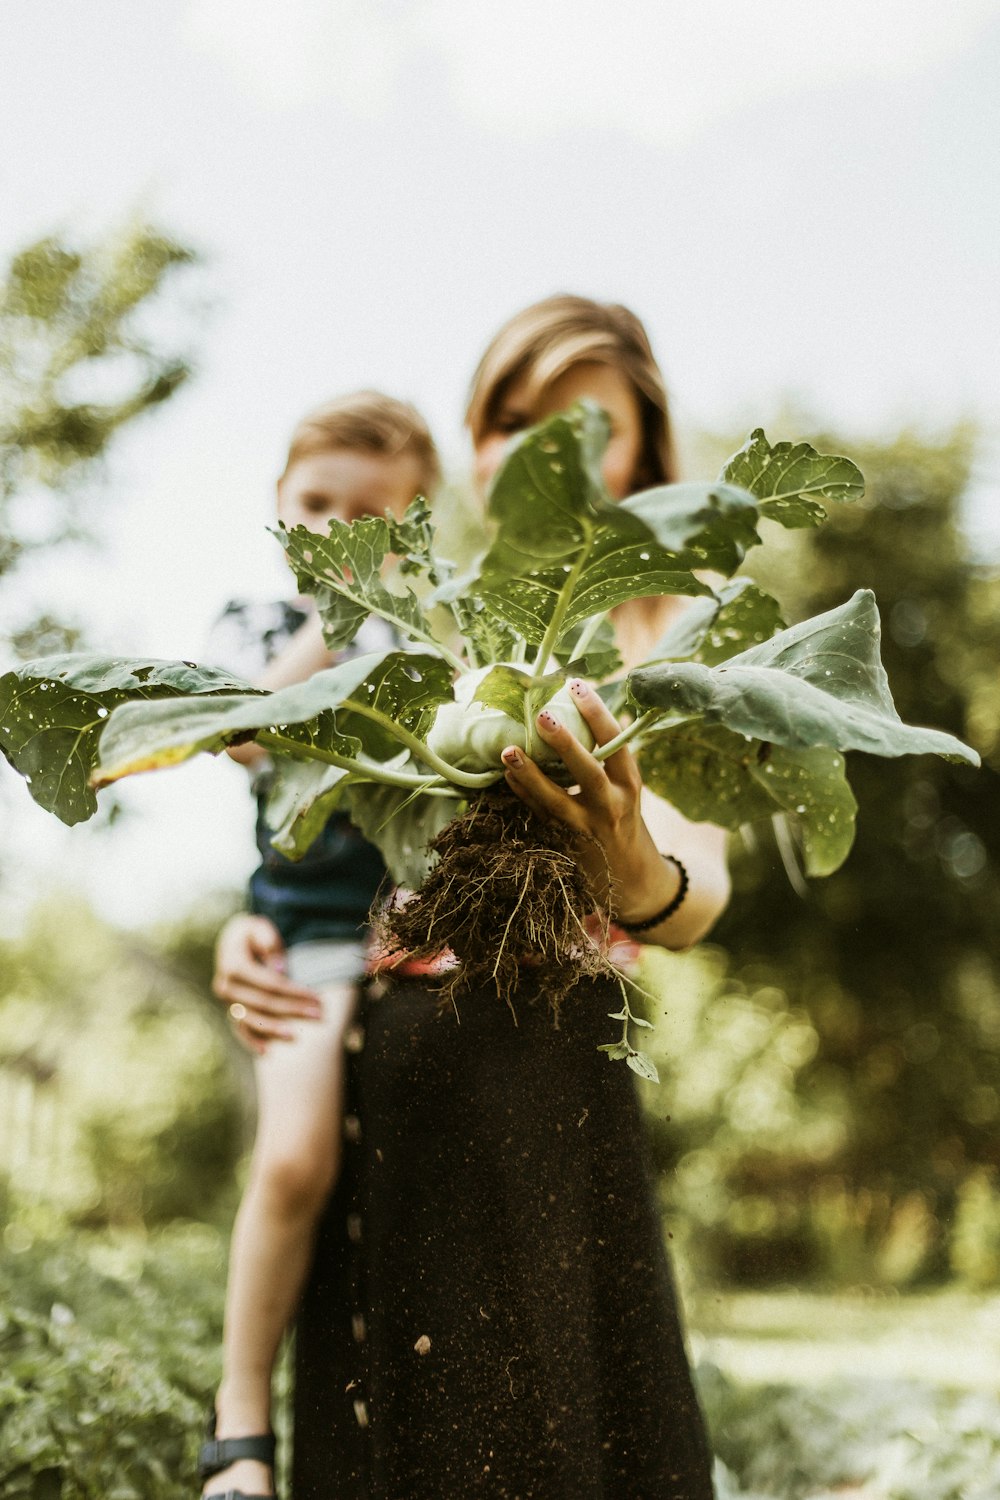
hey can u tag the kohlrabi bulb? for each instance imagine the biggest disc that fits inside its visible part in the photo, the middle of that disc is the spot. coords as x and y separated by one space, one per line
470 735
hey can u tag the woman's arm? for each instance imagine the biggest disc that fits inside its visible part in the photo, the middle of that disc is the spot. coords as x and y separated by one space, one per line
632 829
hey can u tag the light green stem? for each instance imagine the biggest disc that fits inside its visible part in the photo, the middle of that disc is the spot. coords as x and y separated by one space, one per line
373 770
587 634
555 625
422 751
628 733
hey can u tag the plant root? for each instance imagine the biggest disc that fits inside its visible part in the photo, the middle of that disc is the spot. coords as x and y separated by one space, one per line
508 896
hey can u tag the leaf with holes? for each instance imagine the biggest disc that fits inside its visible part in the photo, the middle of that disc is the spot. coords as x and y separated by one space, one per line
711 774
52 713
818 683
790 479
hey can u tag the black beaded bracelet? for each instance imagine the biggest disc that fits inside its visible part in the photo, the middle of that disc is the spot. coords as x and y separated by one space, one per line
668 910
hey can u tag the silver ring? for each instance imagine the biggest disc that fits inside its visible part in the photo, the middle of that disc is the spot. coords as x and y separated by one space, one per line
237 1012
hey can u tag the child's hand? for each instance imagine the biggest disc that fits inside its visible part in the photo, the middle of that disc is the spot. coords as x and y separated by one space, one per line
249 978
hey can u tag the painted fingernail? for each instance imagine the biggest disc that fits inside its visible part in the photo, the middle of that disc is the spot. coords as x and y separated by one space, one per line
578 688
549 720
513 758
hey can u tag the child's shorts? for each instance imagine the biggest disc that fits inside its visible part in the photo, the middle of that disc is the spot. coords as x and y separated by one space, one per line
327 961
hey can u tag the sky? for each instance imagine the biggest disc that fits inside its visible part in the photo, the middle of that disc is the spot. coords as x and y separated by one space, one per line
799 197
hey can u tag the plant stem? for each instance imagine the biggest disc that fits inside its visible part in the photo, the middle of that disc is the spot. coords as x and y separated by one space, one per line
590 629
422 751
555 625
629 732
372 770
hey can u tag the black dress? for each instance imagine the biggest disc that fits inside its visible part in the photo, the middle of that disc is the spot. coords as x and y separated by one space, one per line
491 1312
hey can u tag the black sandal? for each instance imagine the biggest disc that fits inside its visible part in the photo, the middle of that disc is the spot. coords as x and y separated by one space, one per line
217 1454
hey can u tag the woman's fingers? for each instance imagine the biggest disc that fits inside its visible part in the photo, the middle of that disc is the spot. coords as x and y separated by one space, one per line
604 727
586 772
536 789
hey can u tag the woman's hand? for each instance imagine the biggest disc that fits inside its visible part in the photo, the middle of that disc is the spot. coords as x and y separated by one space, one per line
249 978
632 879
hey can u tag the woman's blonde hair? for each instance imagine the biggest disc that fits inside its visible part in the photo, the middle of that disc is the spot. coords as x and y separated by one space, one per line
372 422
540 343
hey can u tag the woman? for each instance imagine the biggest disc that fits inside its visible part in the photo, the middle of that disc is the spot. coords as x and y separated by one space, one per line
490 1311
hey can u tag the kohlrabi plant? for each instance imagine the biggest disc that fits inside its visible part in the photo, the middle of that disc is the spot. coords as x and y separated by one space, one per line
734 717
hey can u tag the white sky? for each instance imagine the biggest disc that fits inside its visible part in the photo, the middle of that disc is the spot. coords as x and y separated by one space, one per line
800 197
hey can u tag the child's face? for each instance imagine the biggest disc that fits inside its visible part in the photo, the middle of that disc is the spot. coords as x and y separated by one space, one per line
346 483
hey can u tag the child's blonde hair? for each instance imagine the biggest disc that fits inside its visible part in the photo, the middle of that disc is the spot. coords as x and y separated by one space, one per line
543 341
372 422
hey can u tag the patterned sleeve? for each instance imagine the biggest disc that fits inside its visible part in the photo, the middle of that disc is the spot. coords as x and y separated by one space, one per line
249 633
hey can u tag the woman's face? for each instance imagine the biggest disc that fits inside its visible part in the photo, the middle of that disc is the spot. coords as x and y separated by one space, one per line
601 383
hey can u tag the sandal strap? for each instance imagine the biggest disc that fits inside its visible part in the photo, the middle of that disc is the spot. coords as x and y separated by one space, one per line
219 1453
239 1495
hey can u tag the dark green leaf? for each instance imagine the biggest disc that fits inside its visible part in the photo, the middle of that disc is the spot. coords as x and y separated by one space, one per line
701 525
343 571
53 710
561 545
712 630
147 736
789 480
300 799
818 683
600 658
712 775
401 824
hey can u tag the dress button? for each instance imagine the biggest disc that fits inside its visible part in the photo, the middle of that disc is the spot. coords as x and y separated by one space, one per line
354 1039
361 1413
359 1328
352 1128
354 1228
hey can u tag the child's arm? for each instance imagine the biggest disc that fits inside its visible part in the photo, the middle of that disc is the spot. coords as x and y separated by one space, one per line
305 653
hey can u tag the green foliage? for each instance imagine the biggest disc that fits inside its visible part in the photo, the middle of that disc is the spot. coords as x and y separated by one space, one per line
975 1236
53 711
108 1355
895 960
70 332
118 1099
897 1439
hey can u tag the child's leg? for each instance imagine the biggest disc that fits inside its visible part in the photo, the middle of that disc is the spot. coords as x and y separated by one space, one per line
295 1161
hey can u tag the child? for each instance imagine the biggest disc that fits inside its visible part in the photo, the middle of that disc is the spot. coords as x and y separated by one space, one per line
357 456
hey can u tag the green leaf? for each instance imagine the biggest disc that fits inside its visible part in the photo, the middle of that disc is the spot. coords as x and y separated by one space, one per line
712 630
401 824
148 736
712 775
53 710
644 1065
818 683
563 550
789 480
616 1050
300 799
600 657
702 525
405 688
343 571
412 540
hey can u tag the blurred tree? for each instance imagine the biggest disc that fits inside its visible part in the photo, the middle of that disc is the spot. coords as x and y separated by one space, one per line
896 958
76 365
